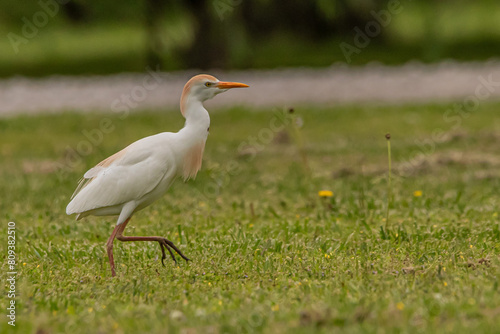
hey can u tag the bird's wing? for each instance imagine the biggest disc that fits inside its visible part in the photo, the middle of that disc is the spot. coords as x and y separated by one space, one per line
92 173
125 176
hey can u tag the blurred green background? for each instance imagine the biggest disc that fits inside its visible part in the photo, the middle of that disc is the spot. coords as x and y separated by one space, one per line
101 37
415 254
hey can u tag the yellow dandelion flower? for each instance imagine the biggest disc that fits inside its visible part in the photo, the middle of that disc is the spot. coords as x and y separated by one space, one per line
275 308
325 193
445 284
400 306
90 309
220 302
24 263
251 225
417 193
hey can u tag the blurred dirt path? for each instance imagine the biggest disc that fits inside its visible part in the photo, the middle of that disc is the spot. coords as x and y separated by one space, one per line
413 82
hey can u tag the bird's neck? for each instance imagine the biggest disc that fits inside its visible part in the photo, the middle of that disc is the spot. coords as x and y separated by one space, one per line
197 118
194 135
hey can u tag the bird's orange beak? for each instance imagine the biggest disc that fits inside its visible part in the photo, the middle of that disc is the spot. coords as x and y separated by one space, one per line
227 85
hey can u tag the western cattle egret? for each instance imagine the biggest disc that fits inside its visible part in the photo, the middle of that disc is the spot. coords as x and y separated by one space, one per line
136 176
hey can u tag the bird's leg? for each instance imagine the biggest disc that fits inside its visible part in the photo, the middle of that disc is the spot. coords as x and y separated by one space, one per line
164 242
109 248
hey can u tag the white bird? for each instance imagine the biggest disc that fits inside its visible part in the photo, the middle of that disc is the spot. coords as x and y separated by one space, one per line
138 175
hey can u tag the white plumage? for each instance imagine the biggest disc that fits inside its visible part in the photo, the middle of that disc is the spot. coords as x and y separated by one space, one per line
142 172
129 178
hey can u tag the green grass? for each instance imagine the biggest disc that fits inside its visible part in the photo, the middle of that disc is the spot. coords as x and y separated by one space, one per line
268 255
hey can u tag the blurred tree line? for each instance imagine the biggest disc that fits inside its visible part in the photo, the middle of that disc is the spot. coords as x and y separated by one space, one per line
249 33
222 27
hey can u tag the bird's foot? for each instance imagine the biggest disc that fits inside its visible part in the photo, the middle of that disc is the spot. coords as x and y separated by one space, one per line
165 243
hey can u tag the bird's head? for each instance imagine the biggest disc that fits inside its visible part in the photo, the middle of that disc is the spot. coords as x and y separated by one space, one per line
203 87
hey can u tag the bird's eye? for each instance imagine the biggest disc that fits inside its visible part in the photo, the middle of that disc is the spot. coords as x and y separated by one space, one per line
208 84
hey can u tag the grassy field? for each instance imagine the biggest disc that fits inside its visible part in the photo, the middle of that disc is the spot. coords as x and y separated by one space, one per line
268 253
